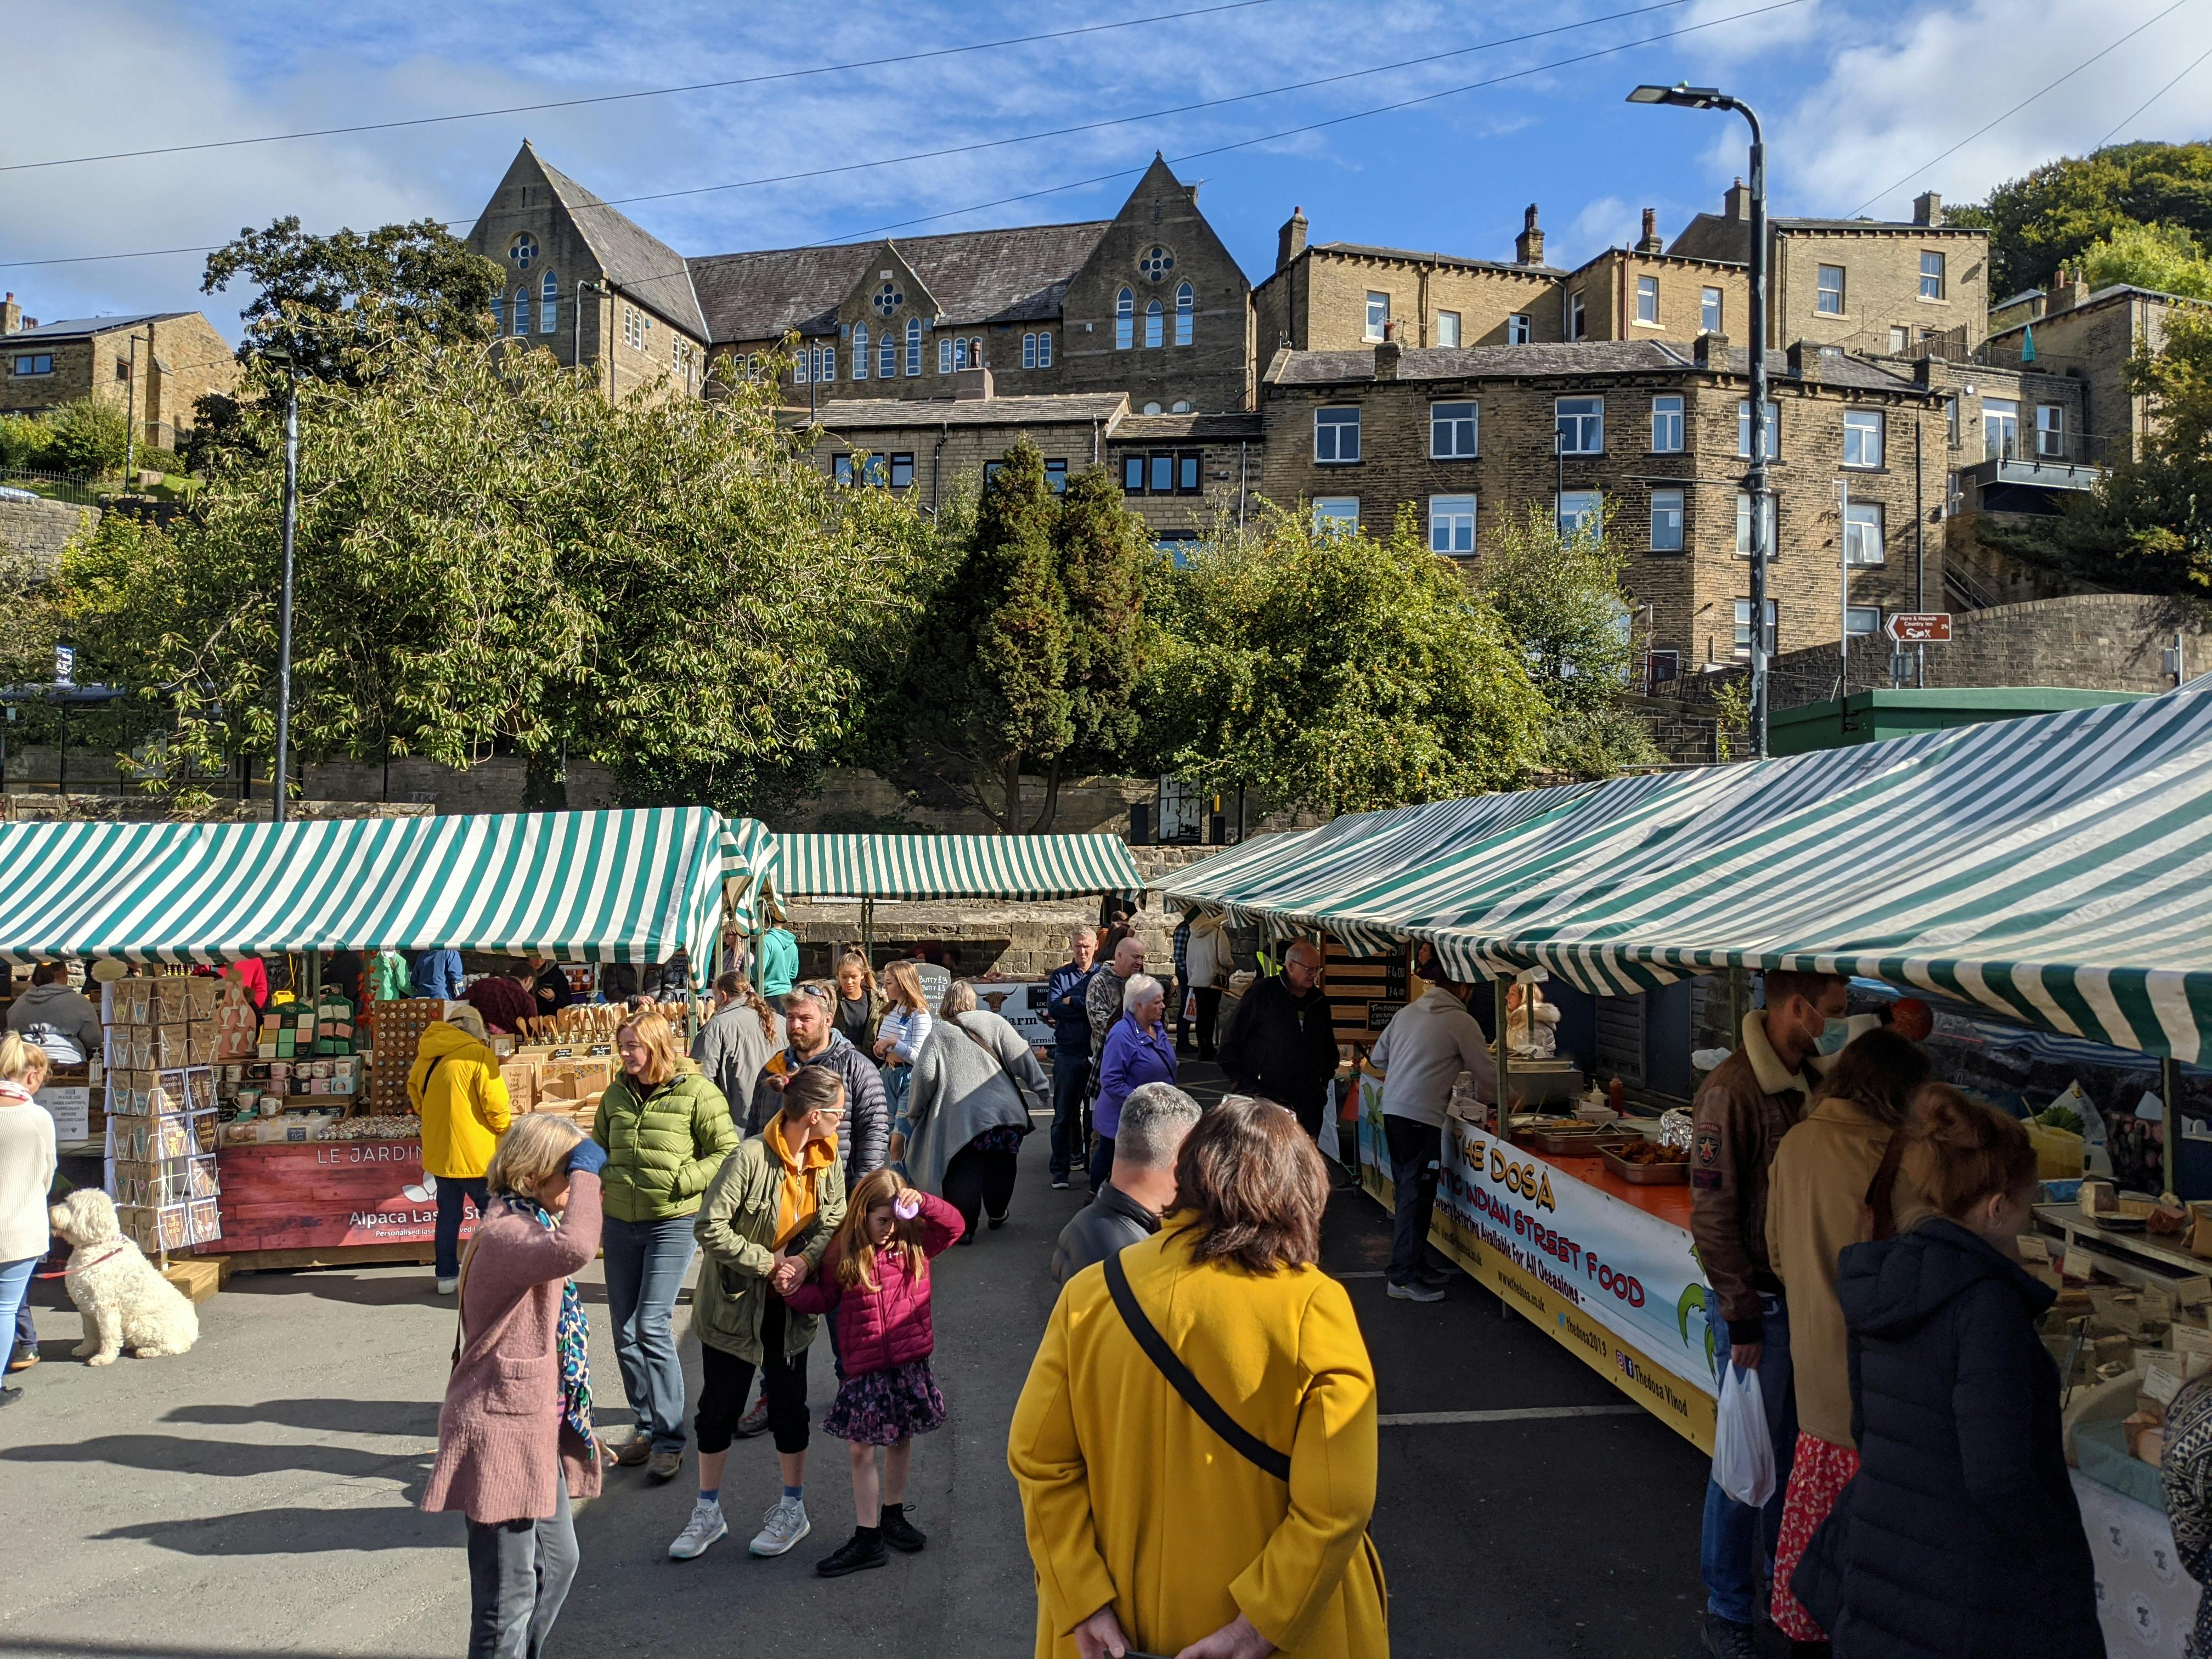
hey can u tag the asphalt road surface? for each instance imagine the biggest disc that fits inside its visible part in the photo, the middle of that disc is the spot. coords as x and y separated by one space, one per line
256 1496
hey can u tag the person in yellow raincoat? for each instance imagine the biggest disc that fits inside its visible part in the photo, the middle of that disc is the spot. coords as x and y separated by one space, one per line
1149 1533
456 1088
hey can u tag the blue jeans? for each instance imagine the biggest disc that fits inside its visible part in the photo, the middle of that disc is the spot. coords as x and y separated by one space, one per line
451 1191
646 1264
1735 1549
14 1288
898 1083
1070 1074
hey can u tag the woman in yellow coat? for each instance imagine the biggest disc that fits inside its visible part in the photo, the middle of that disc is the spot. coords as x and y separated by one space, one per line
455 1087
1148 1531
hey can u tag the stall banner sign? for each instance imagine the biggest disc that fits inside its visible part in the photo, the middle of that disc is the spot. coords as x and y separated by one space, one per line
1021 1004
327 1194
1618 1288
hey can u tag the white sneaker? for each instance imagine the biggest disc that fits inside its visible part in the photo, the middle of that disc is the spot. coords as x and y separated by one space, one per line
448 1286
784 1525
705 1526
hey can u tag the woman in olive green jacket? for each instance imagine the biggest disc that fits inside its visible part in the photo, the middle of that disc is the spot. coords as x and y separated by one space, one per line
764 1225
665 1130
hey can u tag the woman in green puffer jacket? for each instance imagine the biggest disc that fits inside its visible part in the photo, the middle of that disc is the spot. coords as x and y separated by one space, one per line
666 1131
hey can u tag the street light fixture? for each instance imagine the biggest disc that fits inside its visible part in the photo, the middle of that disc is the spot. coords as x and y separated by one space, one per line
1683 96
278 354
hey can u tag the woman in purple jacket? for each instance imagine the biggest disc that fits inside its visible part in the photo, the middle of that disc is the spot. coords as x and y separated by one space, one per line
515 1442
1138 1049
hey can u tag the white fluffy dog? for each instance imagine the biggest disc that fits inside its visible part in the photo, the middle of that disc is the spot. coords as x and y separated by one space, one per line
123 1300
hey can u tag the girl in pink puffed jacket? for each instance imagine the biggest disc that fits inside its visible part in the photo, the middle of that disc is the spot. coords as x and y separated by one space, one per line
874 1283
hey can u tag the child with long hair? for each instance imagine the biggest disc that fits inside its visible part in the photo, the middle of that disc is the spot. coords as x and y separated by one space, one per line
874 1282
900 1033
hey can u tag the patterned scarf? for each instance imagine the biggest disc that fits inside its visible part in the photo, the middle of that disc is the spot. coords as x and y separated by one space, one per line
576 1356
2186 1472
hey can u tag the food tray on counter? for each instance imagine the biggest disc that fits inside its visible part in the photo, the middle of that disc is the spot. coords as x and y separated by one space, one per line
1573 1143
1648 1174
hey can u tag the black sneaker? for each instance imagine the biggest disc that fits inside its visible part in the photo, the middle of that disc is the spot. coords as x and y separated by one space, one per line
900 1533
997 1222
1430 1273
1725 1639
865 1548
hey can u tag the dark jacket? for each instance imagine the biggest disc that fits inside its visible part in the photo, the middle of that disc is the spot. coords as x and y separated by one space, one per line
731 1048
1959 1539
1106 1226
1064 1004
1281 1046
866 1131
551 990
1748 1104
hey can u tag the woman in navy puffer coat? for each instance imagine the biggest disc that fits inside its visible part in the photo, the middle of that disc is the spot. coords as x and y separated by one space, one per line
1961 1538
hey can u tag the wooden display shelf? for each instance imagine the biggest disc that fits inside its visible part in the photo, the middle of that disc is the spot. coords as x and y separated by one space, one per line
2133 1258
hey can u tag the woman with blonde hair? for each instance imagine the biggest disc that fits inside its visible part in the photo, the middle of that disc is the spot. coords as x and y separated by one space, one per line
515 1441
1240 1531
861 1001
28 1162
666 1130
901 1030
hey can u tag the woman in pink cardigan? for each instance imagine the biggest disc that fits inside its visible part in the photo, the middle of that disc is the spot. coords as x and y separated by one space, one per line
874 1281
515 1436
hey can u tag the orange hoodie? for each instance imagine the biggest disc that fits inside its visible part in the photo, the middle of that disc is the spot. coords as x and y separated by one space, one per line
797 1199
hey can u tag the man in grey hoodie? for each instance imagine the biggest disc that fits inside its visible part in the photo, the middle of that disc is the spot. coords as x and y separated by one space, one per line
63 1022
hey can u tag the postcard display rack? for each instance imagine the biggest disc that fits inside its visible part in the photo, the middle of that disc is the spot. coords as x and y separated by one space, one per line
163 1041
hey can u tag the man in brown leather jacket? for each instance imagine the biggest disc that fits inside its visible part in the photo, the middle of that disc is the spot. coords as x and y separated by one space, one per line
1754 1098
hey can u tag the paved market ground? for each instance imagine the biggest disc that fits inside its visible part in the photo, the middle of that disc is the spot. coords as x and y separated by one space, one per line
255 1495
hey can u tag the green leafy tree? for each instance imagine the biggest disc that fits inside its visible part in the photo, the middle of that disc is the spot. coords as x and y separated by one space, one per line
86 436
2166 258
319 299
1560 596
1030 652
492 557
2053 214
24 440
1338 671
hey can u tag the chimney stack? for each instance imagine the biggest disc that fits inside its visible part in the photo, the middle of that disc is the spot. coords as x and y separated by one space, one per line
1651 242
1388 354
1709 351
2069 289
972 385
1927 209
1735 203
11 315
1291 239
1528 246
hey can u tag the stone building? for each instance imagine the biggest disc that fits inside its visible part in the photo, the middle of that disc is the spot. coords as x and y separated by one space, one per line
1655 436
2089 337
154 366
1148 303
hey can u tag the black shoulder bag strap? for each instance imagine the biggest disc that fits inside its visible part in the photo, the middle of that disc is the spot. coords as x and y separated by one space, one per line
1248 1446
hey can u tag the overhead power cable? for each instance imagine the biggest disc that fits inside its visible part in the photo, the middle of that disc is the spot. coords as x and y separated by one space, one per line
903 57
2153 98
1920 170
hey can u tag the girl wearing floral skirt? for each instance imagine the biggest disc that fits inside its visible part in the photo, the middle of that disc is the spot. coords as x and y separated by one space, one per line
874 1282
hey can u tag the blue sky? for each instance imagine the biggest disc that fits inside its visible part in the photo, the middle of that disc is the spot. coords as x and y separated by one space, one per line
1859 95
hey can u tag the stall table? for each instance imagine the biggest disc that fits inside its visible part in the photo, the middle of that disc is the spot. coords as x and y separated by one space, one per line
324 1203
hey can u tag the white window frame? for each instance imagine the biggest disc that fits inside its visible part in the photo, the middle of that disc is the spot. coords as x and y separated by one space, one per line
1186 312
1378 316
1520 329
1823 291
1712 311
1859 425
1663 418
1940 276
1029 350
826 364
1742 634
913 348
1570 518
887 355
2051 432
1044 348
860 351
1336 426
549 304
801 361
1647 300
1865 543
522 310
1335 515
1743 524
1669 507
1900 340
1156 324
1580 424
1999 416
1743 430
1868 619
1452 526
1448 323
1457 436
1125 320
943 354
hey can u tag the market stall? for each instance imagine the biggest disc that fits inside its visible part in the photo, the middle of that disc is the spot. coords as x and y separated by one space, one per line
306 1174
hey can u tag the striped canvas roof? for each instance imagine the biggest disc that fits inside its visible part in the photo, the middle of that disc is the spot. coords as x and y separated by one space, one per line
748 858
617 886
952 866
2056 869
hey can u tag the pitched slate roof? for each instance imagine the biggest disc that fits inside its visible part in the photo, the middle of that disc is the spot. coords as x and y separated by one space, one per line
1362 250
1583 357
856 414
632 258
1013 275
1157 429
80 327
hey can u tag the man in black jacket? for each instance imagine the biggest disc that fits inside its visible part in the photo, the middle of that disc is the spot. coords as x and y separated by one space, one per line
1155 1118
1281 1041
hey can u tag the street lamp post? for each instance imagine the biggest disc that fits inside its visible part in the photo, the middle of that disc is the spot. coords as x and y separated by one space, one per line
1755 482
284 599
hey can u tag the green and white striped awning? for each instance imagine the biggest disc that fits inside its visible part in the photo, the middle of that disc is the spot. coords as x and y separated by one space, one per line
628 886
748 857
2056 869
952 866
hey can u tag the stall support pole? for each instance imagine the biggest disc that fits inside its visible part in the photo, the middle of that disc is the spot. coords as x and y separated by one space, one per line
2169 1091
1737 998
1499 989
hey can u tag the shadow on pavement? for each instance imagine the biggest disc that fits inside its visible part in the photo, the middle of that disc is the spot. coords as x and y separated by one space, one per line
75 1646
232 1459
291 1532
409 1417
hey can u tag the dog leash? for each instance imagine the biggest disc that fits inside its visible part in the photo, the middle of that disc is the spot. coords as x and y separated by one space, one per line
94 1262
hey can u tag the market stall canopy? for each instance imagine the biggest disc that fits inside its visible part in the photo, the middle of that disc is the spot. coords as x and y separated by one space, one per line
952 866
617 886
748 858
2056 869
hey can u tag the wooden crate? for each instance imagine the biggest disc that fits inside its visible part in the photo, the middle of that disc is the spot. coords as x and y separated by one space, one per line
198 1276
